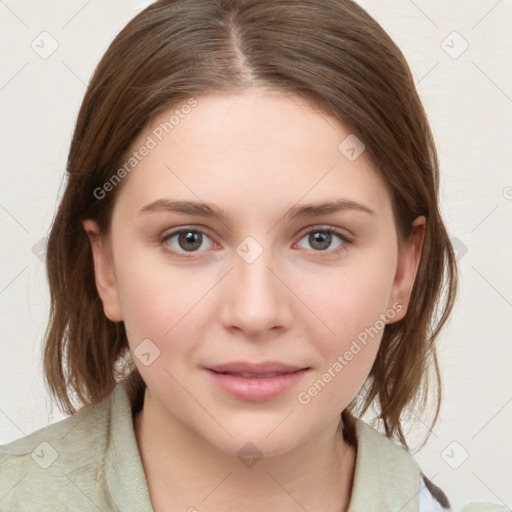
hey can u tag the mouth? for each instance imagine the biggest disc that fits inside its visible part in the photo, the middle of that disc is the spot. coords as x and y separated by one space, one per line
256 384
248 369
254 375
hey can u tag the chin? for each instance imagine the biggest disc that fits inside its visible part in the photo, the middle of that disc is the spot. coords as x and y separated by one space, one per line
256 443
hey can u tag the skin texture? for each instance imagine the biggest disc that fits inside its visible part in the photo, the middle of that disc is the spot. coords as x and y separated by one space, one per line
254 154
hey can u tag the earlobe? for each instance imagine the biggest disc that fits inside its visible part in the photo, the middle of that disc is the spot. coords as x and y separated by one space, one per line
104 275
407 267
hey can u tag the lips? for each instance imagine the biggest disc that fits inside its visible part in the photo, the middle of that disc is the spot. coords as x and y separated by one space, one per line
250 375
255 382
258 370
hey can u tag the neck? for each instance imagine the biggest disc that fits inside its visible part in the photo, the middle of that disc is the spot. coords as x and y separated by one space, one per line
185 471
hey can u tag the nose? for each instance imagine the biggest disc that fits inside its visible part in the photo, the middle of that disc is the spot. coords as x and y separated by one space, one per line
256 300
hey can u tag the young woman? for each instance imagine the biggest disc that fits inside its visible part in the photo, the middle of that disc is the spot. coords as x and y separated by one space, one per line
248 255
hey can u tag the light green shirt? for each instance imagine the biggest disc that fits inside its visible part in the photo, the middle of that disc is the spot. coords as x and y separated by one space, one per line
90 461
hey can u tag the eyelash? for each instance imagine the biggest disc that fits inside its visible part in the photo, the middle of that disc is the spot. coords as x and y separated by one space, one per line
347 241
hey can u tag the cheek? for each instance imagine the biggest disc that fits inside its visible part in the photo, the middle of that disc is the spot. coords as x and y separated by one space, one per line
354 309
161 302
352 299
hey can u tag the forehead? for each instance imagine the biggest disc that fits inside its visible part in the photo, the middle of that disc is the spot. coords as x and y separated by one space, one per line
255 148
256 117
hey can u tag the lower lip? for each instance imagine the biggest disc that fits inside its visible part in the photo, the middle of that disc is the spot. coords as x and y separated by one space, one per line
254 388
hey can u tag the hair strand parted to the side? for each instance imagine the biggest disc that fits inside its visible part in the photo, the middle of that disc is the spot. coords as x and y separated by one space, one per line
331 53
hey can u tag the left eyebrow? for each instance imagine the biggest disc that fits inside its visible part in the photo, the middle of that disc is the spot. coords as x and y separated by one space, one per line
316 209
211 210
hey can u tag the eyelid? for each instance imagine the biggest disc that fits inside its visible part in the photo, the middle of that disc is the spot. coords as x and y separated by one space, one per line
166 235
326 227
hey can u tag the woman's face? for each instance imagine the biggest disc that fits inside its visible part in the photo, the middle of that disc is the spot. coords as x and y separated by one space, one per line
263 283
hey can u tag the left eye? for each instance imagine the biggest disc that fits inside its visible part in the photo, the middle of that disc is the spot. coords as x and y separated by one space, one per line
320 238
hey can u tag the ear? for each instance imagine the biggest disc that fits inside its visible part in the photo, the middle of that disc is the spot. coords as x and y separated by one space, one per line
104 275
407 266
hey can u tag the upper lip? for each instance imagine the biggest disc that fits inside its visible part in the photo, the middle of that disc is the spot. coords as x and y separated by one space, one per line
255 368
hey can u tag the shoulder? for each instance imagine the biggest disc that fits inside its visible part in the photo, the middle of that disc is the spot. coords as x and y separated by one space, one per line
55 458
388 478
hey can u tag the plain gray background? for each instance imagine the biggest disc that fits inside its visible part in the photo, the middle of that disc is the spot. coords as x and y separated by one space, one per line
459 53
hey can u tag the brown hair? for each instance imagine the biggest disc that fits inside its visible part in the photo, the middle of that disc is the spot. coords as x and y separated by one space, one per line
331 53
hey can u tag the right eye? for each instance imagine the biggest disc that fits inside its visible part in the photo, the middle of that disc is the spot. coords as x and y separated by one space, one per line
187 240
